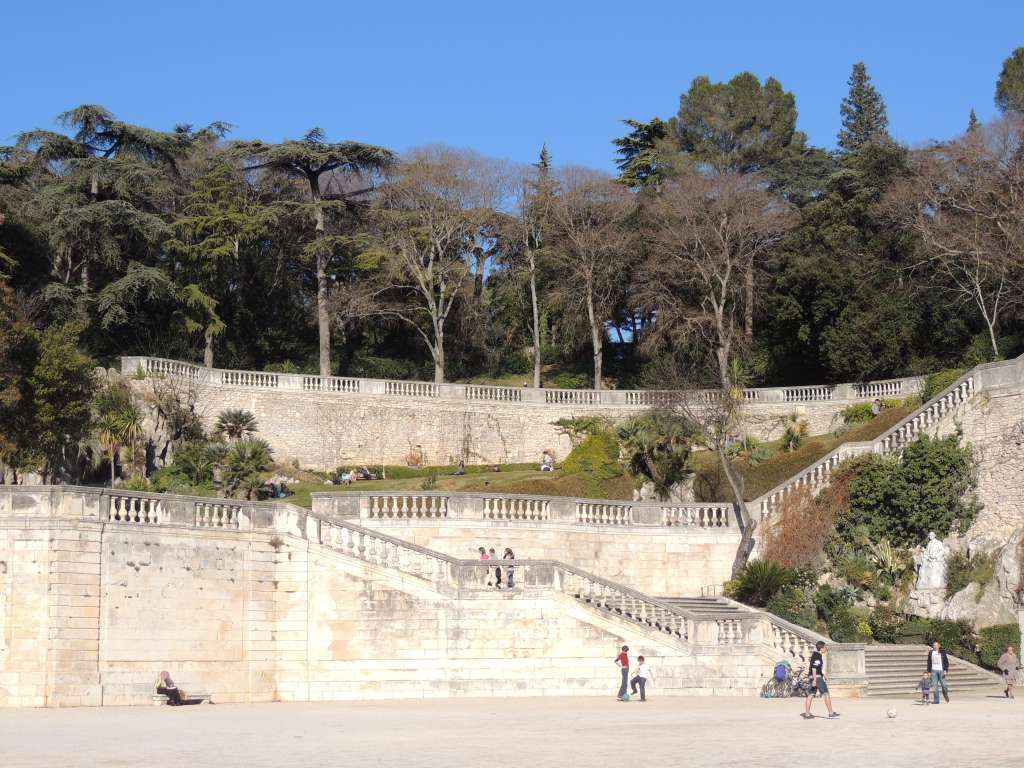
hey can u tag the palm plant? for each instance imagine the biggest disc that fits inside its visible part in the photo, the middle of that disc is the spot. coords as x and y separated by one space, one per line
196 461
235 424
108 434
759 580
795 429
244 463
658 446
129 421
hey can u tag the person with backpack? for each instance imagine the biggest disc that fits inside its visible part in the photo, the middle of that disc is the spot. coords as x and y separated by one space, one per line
818 683
623 661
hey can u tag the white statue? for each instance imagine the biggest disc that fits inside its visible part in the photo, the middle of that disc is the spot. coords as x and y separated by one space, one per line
932 572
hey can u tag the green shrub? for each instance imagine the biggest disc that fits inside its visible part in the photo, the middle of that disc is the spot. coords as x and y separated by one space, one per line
793 604
957 637
597 457
430 481
884 621
374 367
938 381
759 580
829 601
285 366
859 571
514 362
842 625
572 381
902 498
912 632
895 402
962 570
857 413
137 484
580 427
992 641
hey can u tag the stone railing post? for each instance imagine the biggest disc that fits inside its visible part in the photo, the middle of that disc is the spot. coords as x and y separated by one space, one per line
533 395
647 514
844 392
562 510
704 632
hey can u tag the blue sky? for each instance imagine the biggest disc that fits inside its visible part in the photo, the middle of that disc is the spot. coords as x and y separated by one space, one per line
501 78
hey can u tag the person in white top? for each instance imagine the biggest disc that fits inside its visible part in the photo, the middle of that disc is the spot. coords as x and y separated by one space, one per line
938 666
643 674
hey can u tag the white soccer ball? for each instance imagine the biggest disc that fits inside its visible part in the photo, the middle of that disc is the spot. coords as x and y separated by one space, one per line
891 713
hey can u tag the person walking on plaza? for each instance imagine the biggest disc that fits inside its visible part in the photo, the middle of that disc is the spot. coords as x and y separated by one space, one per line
938 666
623 661
643 674
818 683
511 557
1009 664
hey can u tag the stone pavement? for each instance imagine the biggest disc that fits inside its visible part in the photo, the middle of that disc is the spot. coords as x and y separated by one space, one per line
572 732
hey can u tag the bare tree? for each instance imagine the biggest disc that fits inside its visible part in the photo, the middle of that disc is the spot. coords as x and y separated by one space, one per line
965 202
592 248
534 191
707 233
429 216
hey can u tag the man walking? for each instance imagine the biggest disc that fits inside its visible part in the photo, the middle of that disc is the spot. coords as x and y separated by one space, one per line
643 672
623 661
818 683
938 665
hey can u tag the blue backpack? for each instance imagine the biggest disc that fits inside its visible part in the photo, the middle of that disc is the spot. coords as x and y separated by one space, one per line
781 670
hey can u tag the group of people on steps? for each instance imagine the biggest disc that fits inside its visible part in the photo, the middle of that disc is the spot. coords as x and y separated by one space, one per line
507 566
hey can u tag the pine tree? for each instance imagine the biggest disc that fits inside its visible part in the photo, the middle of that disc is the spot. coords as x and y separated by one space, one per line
638 162
972 122
863 112
1010 86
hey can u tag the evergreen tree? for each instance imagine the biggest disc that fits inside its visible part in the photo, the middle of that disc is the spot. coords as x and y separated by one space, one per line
740 125
863 112
1010 86
311 160
639 162
218 219
972 121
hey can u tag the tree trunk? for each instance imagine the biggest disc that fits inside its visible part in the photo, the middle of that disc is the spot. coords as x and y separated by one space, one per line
113 467
438 352
596 339
323 319
536 320
208 352
736 485
748 309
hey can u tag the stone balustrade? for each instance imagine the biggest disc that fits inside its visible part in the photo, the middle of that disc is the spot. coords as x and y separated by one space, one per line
814 477
750 632
512 508
154 366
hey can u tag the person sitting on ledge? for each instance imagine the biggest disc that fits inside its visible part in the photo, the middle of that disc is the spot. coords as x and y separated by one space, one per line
175 696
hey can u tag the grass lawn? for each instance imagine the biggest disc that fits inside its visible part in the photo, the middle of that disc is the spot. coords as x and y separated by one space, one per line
761 477
531 482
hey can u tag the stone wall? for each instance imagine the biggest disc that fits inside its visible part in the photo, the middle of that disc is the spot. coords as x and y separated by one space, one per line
248 602
324 430
657 561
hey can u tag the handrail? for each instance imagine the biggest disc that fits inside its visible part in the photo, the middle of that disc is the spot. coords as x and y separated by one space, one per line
640 398
900 434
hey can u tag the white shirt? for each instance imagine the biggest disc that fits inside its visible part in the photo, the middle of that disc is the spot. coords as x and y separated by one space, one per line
643 670
936 661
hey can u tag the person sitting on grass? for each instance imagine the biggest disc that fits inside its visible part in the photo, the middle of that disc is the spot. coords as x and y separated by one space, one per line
175 696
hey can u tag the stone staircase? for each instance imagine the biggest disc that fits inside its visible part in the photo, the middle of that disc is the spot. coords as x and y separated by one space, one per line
707 606
893 671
